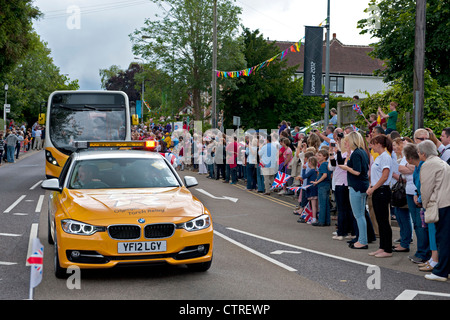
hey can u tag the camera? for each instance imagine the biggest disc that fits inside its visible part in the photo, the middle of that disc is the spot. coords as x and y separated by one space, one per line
340 135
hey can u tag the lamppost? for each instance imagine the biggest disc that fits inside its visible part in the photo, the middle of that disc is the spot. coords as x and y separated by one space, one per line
4 108
143 83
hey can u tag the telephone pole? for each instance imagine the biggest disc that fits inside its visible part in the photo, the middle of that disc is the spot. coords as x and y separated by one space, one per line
419 64
214 68
327 72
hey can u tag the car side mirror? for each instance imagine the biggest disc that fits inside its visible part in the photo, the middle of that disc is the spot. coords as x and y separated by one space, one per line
190 181
51 184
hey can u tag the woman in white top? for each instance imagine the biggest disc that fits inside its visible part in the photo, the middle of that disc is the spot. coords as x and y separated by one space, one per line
380 178
402 213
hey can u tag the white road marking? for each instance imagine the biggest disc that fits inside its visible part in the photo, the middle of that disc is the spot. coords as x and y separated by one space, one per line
411 294
259 254
303 249
219 198
14 204
34 186
33 234
4 263
39 204
284 251
10 235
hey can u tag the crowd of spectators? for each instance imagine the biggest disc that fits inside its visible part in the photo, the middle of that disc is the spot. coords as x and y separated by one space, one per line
19 138
357 171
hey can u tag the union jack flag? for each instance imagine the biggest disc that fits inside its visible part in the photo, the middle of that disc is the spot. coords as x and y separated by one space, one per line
169 157
307 213
280 179
357 108
36 261
295 189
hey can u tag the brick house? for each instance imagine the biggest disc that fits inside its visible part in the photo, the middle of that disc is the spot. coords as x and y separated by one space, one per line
351 68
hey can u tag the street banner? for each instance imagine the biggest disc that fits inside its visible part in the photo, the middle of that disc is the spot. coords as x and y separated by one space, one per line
312 79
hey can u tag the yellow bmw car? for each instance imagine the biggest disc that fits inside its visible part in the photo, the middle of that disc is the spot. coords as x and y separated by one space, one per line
125 207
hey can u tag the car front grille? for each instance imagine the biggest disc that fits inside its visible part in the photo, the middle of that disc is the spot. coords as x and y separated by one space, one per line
124 232
162 230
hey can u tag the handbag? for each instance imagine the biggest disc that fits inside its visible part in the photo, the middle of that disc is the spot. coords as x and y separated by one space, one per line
398 197
432 213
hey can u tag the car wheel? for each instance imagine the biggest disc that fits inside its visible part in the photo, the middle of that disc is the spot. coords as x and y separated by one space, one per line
200 267
60 273
49 234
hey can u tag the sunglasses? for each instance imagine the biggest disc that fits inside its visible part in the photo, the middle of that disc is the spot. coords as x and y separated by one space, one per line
421 139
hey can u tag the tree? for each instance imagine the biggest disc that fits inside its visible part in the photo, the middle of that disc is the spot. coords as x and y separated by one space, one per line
123 80
180 42
15 32
270 95
396 30
33 80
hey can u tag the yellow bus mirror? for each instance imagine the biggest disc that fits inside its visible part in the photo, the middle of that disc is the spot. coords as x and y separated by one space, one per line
134 119
41 119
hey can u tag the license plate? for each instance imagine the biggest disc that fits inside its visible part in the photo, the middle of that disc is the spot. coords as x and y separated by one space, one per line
145 246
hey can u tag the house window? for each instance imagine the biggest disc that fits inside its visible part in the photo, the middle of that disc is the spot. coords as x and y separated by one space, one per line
336 84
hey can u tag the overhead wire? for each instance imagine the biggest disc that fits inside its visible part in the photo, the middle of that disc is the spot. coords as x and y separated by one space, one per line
60 13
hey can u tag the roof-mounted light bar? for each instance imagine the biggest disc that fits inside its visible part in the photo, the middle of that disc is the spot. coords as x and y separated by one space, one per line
145 144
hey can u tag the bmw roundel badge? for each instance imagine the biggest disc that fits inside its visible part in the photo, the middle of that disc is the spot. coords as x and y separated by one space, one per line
141 220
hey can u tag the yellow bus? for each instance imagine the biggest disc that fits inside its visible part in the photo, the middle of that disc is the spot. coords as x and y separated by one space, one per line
83 116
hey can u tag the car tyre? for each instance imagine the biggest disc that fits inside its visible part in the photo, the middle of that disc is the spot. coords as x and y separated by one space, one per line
60 273
49 234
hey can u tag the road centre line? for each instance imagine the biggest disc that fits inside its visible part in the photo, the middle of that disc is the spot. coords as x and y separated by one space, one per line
4 263
10 235
301 248
14 204
34 186
259 254
39 204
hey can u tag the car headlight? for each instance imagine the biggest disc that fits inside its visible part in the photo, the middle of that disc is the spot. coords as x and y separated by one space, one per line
199 223
80 228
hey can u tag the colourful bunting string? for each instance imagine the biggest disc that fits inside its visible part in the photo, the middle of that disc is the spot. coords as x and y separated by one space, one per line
249 71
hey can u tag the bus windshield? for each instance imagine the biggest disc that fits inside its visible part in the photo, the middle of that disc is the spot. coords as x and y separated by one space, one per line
86 117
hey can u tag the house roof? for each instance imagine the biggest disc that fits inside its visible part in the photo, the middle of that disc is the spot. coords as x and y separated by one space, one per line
344 59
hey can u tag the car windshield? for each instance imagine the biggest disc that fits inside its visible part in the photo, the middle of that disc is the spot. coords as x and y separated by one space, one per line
122 173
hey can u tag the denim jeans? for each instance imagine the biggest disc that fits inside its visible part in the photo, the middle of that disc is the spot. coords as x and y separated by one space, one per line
423 241
251 176
259 179
10 153
358 203
404 222
324 202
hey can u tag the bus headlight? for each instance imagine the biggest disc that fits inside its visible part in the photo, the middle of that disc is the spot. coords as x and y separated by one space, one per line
50 158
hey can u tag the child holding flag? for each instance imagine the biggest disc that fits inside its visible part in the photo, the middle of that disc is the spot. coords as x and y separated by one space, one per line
324 185
312 191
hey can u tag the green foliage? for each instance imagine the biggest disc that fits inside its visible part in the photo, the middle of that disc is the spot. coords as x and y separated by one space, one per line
15 32
396 34
436 105
31 82
180 41
270 95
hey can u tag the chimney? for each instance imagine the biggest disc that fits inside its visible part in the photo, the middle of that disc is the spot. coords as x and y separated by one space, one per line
334 36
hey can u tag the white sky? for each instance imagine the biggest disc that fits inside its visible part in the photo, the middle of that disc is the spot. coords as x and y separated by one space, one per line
102 37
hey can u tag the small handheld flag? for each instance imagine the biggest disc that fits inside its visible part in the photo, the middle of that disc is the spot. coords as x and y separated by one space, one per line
280 179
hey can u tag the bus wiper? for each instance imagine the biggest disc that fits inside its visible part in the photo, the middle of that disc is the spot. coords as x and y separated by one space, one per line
90 107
